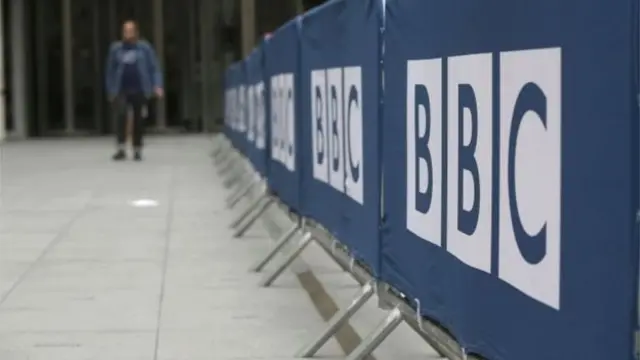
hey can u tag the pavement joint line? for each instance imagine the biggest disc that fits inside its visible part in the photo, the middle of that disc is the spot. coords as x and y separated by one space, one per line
165 260
47 249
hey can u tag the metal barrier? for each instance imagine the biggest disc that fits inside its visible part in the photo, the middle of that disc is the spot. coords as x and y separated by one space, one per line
296 238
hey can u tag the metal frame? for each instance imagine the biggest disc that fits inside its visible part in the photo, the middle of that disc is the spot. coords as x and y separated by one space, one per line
229 163
306 239
222 153
284 239
243 189
339 319
237 170
239 176
399 310
439 340
222 148
251 215
377 336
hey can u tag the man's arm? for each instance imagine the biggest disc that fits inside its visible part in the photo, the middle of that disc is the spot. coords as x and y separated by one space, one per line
109 72
154 67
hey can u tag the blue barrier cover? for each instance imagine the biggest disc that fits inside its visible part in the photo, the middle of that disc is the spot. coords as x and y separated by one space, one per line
257 111
228 103
235 110
340 70
511 172
282 53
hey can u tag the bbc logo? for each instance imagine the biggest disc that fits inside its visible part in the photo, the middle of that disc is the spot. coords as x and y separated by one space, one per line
337 129
450 160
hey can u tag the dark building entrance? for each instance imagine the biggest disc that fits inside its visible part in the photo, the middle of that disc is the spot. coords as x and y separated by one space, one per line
55 52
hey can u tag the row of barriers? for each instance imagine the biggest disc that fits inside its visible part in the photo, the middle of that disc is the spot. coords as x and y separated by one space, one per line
479 162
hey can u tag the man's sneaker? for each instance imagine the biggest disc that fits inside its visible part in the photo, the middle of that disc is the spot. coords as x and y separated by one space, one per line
120 155
137 156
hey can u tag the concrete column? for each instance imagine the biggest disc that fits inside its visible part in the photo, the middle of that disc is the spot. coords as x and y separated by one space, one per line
206 58
248 18
3 99
158 37
98 72
113 31
18 70
193 105
185 59
42 67
217 69
67 67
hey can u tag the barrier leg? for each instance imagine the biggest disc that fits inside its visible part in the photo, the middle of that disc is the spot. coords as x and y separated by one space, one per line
219 148
339 319
223 156
437 347
282 241
228 165
236 174
232 200
248 210
270 278
242 228
376 337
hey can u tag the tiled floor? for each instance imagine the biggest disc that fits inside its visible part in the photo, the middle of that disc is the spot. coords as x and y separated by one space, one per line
84 275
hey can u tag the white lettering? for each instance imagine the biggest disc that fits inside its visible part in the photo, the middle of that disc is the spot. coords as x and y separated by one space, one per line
424 149
283 120
530 177
354 147
470 143
337 129
529 144
319 125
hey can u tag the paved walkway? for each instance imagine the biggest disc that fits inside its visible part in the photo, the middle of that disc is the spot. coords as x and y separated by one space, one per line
85 275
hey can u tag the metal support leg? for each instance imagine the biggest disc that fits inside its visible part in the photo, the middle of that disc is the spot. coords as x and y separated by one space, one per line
235 176
375 338
224 158
242 228
235 179
438 347
231 162
226 161
270 278
242 184
282 241
220 149
236 173
250 208
242 192
339 319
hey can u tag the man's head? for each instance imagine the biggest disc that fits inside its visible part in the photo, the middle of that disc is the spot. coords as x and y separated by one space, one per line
129 31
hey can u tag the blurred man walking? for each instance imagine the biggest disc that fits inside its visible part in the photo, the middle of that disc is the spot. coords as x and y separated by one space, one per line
133 76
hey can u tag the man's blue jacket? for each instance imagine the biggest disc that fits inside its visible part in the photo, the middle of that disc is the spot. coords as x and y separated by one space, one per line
148 68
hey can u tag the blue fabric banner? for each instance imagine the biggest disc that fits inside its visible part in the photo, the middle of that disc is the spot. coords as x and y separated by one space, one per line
510 138
282 53
340 70
235 109
257 130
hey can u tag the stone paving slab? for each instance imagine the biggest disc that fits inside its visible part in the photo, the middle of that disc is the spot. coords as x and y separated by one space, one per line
86 276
